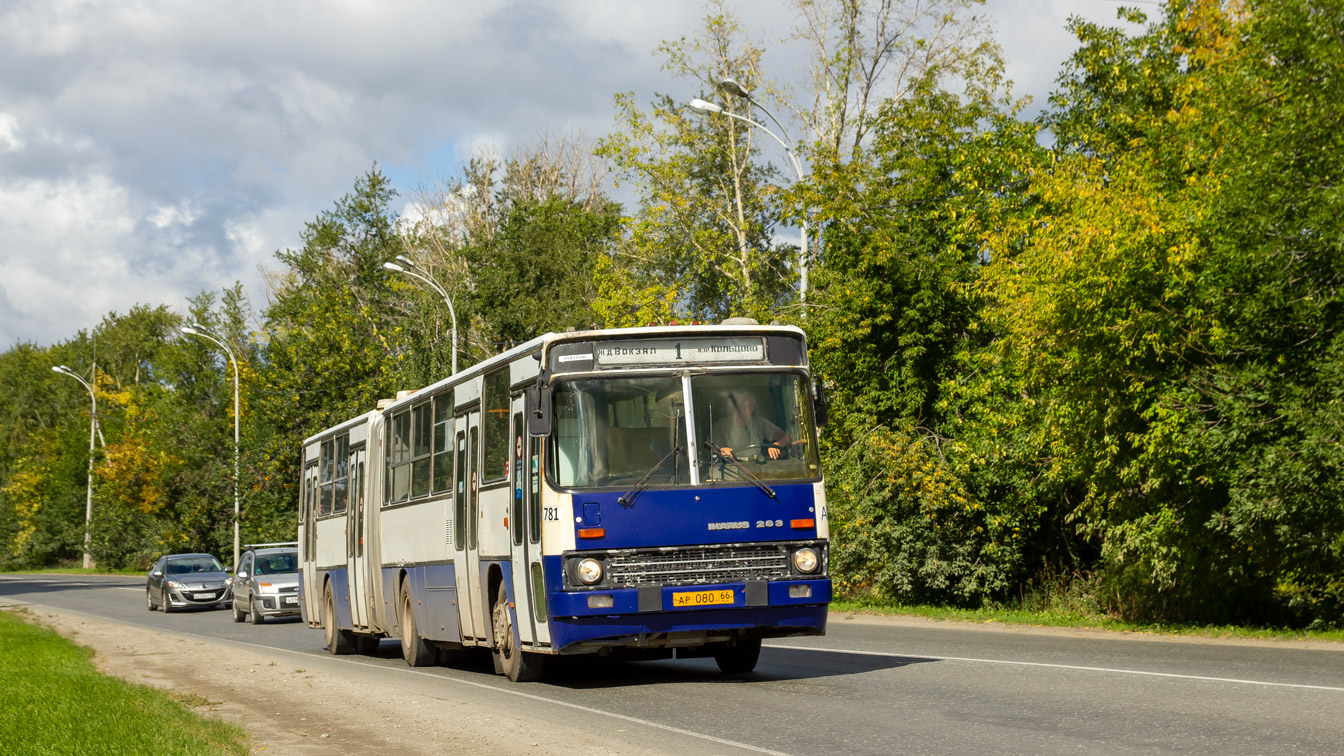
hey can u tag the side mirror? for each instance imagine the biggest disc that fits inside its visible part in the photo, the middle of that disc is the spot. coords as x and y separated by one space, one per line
538 408
242 576
156 573
228 570
819 409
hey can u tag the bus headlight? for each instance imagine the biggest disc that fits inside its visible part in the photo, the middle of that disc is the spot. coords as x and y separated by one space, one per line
589 571
806 560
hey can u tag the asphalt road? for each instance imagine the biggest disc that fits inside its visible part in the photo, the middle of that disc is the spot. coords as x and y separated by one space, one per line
868 687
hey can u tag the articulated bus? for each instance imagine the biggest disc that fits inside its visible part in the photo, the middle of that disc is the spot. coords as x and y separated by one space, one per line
641 493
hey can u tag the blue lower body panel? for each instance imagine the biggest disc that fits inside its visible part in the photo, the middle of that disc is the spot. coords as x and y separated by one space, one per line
767 622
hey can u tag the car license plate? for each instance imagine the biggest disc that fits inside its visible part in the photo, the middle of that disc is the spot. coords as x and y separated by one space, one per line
291 599
682 599
204 596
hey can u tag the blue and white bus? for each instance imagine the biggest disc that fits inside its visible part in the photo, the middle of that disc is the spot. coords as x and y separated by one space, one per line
643 492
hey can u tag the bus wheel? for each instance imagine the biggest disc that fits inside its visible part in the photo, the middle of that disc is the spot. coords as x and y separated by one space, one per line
338 641
519 665
740 657
414 649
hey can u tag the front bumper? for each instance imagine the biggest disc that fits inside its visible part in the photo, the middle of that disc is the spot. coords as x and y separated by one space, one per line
277 604
650 616
184 597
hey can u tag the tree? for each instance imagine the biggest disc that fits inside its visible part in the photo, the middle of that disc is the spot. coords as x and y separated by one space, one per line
1176 333
334 344
702 237
516 241
865 53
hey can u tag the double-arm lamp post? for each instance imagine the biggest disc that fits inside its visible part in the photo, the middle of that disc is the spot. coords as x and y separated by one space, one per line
409 268
196 329
733 88
93 431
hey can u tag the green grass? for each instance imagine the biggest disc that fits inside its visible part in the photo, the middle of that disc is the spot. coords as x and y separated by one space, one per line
55 702
1077 619
72 571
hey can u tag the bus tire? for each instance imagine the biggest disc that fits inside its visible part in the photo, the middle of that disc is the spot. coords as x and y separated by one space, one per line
510 658
740 657
414 649
339 642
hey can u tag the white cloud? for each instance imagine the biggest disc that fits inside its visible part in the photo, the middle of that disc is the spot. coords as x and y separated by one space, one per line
9 133
152 149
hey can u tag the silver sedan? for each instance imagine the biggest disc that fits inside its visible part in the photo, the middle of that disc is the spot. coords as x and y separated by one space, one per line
178 581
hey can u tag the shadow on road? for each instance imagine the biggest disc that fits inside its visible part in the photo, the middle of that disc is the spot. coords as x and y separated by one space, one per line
776 664
15 586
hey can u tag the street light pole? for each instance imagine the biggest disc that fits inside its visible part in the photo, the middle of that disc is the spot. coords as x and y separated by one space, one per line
196 329
416 271
93 432
733 88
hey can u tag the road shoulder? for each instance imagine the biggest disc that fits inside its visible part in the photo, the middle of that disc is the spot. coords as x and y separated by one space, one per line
903 620
308 705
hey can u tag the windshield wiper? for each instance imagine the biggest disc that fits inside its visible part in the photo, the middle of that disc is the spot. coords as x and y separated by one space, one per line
716 451
628 498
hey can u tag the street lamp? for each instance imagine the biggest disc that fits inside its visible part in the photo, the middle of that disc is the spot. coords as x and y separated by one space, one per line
415 271
94 430
730 86
196 329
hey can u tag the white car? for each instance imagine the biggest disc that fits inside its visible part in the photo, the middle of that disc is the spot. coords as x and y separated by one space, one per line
266 583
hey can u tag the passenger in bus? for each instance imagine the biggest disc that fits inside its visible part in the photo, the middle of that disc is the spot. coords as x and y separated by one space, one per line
743 429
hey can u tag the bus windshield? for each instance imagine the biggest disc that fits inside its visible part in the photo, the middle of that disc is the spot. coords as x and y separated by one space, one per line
612 432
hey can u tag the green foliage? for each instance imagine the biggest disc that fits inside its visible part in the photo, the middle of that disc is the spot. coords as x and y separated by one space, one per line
905 529
1172 320
1112 368
334 346
702 236
534 275
893 305
55 702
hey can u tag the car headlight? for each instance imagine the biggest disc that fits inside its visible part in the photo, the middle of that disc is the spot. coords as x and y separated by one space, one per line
175 584
806 560
268 588
589 571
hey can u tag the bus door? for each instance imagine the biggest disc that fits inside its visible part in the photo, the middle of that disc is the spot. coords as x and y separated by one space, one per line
466 527
354 547
310 578
371 478
521 552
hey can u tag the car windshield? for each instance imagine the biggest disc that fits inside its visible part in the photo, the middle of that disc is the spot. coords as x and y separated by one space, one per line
276 564
613 432
188 565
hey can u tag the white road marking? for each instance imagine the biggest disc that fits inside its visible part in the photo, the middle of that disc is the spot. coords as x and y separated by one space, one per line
586 709
1058 666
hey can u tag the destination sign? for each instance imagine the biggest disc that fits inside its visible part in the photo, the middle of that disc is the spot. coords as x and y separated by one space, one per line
679 351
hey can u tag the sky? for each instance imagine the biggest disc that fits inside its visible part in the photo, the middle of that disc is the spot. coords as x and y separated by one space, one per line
152 149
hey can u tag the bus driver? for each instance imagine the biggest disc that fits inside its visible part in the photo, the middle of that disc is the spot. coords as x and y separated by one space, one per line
742 429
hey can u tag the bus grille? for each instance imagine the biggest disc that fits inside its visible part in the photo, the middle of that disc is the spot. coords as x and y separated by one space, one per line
701 565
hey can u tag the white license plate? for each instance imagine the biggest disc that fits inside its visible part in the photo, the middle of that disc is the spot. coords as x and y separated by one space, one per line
204 596
291 599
